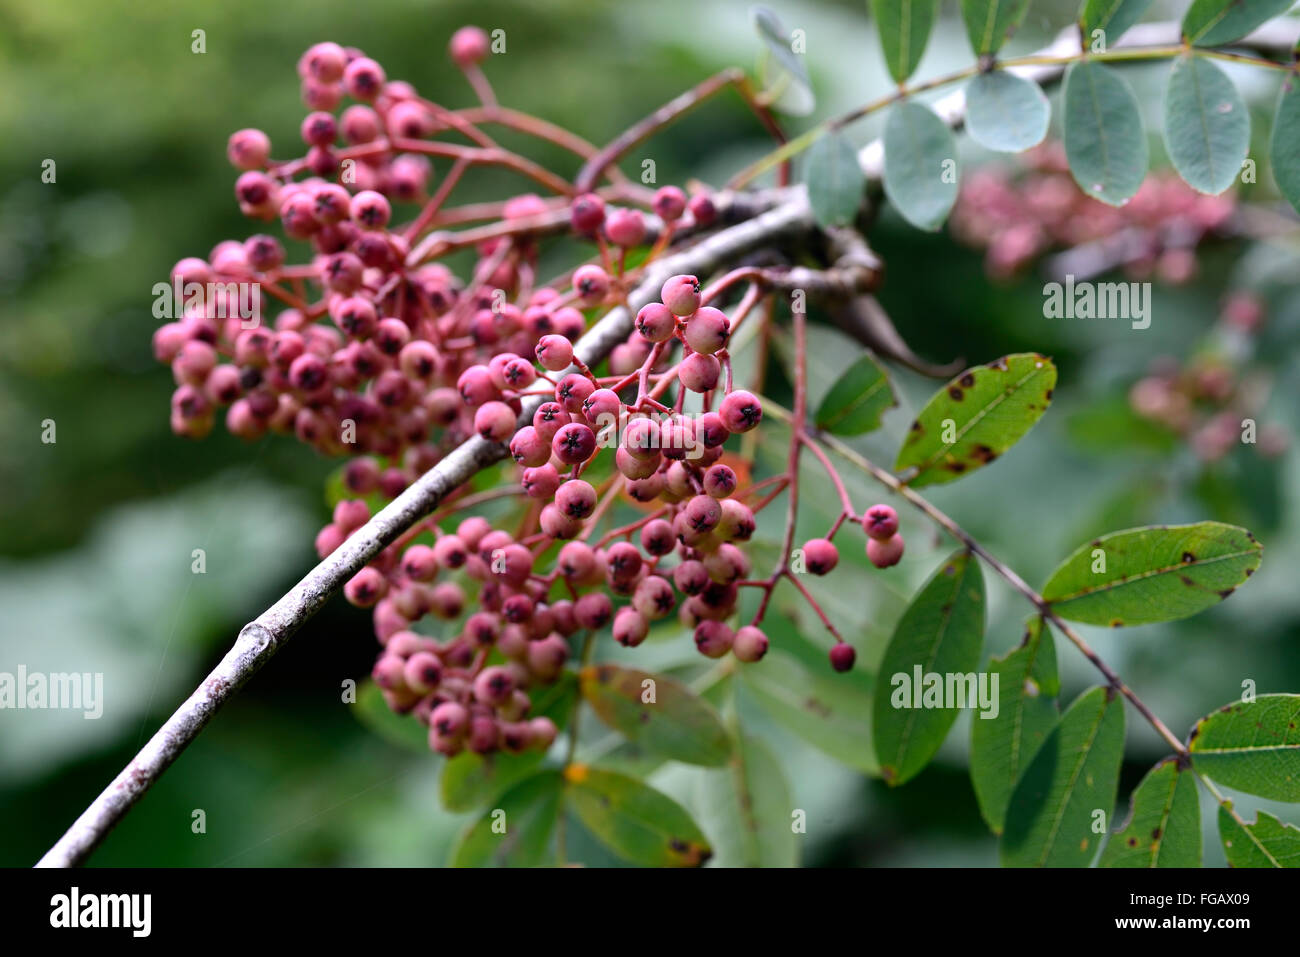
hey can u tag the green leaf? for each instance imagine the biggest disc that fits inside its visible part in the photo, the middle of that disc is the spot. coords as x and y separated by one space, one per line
1266 842
470 780
835 180
1111 16
1164 825
519 836
976 417
403 730
904 27
634 820
1252 746
1104 140
801 100
1001 747
1005 112
675 722
990 22
1207 126
1075 773
1155 573
830 711
1284 148
745 810
857 400
938 638
920 165
1212 23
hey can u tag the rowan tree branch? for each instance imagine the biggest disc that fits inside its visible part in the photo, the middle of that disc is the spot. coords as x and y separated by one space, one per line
261 638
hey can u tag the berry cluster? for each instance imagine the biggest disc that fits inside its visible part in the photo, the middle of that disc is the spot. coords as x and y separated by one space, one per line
385 356
1018 215
1205 399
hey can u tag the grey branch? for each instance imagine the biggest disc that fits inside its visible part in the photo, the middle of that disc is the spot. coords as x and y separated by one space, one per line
775 217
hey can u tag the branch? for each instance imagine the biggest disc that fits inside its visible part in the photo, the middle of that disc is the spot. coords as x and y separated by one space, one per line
263 637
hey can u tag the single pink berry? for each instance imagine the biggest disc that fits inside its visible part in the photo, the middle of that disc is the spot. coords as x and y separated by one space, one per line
842 656
713 638
707 330
468 46
886 553
669 203
554 353
656 322
740 411
820 556
587 213
625 227
880 522
681 294
248 149
749 644
591 283
363 79
699 373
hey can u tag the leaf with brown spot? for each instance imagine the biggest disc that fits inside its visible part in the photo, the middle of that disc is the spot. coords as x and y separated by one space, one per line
1164 825
1252 746
1154 573
637 822
991 407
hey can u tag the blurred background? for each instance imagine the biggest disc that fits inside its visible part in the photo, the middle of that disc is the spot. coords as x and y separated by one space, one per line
97 529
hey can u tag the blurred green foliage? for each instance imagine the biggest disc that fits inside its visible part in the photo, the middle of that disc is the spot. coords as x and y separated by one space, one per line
97 530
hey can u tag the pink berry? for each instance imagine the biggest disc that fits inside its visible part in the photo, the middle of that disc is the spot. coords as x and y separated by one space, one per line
625 227
587 213
450 551
248 149
719 481
656 322
419 563
681 294
669 204
469 45
576 498
842 656
554 353
319 129
572 391
749 644
820 556
885 553
593 610
591 283
699 373
740 411
574 443
494 421
707 330
713 638
364 79
880 522
630 627
702 209
365 588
